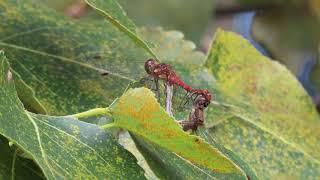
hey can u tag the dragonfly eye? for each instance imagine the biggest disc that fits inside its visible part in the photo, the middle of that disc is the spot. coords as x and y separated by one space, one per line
206 104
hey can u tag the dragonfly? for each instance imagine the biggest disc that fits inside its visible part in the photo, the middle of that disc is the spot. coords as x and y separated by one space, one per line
201 98
196 116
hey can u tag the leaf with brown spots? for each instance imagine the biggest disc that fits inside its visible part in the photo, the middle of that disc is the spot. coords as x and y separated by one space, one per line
63 147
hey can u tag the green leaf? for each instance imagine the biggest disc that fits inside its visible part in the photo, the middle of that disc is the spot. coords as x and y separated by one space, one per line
168 165
138 111
171 47
125 139
62 60
272 125
27 96
110 9
62 146
114 13
14 167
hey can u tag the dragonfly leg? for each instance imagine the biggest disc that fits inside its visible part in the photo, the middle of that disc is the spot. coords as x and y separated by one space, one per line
182 102
194 98
156 81
147 79
189 97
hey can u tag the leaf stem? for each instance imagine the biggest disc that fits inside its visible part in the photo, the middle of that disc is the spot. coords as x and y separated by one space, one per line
107 126
93 112
14 158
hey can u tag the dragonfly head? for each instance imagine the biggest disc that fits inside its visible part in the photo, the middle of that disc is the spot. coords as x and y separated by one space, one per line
149 65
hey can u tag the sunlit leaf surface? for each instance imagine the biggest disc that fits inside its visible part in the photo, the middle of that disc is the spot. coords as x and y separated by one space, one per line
269 120
138 111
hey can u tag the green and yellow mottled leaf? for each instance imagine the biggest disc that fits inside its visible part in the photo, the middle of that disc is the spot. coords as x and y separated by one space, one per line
171 47
63 147
269 120
139 112
62 60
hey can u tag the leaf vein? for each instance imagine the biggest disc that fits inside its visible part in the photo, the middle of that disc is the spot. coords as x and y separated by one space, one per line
100 70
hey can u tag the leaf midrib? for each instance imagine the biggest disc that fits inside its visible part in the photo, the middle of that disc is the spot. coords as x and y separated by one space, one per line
86 145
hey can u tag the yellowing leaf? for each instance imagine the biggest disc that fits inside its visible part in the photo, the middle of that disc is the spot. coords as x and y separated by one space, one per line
271 122
139 112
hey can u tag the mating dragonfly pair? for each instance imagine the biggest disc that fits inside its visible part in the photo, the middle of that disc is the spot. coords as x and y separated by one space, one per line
200 98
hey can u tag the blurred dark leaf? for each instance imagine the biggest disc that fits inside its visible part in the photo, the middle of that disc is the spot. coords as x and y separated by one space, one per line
22 168
289 36
188 16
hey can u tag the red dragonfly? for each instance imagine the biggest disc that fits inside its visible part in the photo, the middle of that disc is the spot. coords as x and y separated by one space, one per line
162 71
